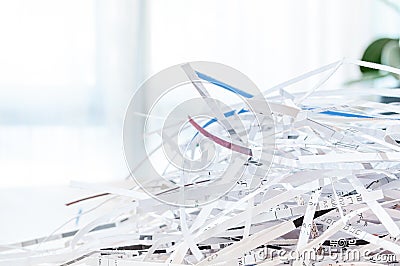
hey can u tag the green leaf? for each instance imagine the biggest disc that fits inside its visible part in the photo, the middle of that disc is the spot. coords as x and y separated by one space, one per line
373 54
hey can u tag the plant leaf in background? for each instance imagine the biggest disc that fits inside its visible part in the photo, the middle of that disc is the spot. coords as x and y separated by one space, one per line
384 51
373 54
391 55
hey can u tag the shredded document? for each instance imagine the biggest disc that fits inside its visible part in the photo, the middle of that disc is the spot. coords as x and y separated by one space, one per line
234 175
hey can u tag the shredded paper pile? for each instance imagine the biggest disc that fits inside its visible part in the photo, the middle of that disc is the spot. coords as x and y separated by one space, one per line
236 176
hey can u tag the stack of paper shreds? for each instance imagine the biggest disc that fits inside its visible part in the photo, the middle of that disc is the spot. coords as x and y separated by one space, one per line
327 194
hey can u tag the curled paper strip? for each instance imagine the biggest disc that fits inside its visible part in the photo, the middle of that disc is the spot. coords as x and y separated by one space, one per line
208 92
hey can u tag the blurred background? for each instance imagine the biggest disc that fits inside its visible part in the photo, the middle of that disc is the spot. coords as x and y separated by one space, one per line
69 68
